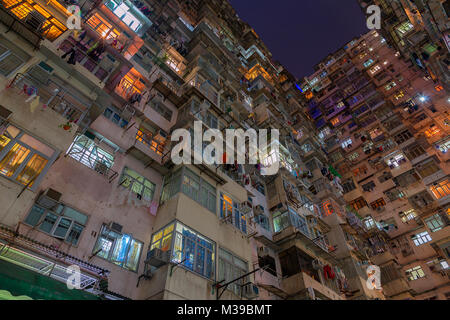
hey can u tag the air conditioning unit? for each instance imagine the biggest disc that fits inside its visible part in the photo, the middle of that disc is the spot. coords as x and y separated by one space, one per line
250 291
116 227
157 258
263 251
49 199
245 207
35 20
258 210
161 135
281 206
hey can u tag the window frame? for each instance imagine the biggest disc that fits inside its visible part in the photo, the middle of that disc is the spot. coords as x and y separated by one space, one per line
32 185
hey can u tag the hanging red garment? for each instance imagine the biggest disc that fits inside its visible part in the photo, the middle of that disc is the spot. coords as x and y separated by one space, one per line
328 272
224 158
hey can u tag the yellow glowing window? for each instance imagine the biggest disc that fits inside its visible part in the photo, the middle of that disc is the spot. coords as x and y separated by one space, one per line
227 206
441 189
13 159
439 88
99 25
309 95
327 208
432 131
399 95
52 28
334 121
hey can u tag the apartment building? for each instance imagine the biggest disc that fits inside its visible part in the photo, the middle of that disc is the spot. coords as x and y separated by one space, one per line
87 179
419 31
385 126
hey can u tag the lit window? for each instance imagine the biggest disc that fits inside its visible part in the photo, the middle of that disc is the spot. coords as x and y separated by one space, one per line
404 28
400 94
435 222
390 85
415 273
120 249
368 63
353 156
335 121
421 238
346 143
87 152
443 147
137 184
433 130
25 158
408 215
375 69
229 209
396 161
441 189
369 223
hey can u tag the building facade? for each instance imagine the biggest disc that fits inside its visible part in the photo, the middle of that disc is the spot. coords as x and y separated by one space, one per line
88 182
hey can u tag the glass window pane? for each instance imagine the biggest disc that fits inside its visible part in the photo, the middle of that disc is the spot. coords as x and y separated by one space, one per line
62 228
34 216
74 234
32 170
104 245
75 215
120 249
13 160
48 222
134 254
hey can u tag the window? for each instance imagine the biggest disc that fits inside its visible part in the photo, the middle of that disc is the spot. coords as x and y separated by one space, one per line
378 204
124 13
63 222
394 194
408 215
375 69
142 187
346 143
199 190
165 112
368 63
120 249
188 248
369 223
433 130
173 63
427 168
441 189
396 161
115 117
10 58
415 273
146 137
403 136
414 152
358 203
390 85
230 209
404 28
368 187
421 238
335 121
353 156
348 185
86 151
443 146
230 268
435 222
263 221
23 158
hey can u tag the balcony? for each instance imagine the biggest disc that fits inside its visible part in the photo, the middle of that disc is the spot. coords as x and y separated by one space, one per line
301 282
32 27
55 108
382 258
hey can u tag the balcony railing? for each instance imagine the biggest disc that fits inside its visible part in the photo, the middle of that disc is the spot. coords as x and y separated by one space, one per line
54 96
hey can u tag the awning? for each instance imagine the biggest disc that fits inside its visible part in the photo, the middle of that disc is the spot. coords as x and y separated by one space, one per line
19 281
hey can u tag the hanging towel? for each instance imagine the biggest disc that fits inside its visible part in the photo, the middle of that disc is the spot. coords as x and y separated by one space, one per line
34 104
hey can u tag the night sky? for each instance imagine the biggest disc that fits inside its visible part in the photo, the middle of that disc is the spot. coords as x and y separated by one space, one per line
300 33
